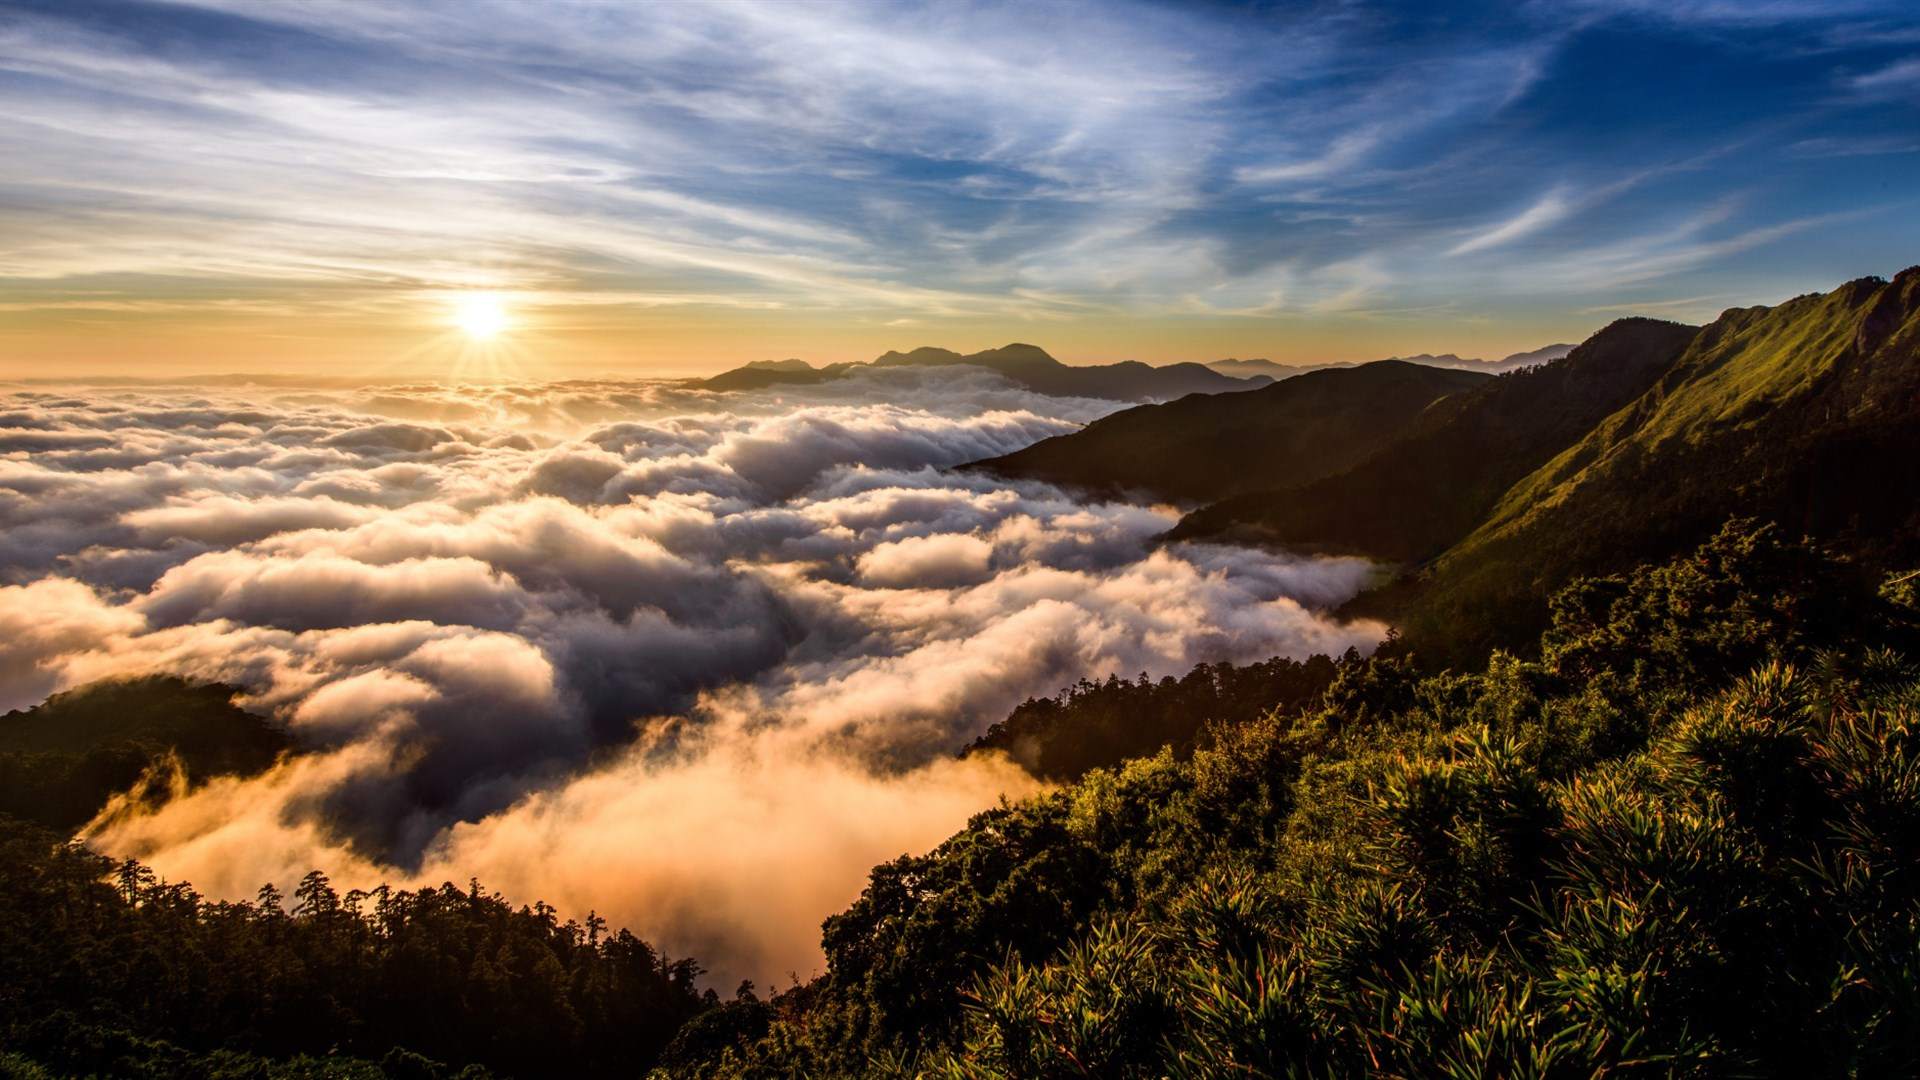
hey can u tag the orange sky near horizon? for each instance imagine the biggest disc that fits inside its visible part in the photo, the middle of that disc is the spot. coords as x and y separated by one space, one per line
544 342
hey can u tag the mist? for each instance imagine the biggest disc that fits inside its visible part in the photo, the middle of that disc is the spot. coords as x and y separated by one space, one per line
693 661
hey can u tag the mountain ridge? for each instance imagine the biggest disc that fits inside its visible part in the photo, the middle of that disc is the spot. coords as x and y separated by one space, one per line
1026 365
1438 477
1278 370
1771 412
1034 368
1200 448
1632 446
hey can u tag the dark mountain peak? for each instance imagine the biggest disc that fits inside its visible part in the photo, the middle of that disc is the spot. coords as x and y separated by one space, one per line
1894 306
112 708
1859 290
1626 346
790 364
1208 445
1017 354
1628 324
1392 371
1531 358
1269 370
925 354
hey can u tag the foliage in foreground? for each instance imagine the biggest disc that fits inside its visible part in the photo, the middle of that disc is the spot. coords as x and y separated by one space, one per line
106 971
1709 780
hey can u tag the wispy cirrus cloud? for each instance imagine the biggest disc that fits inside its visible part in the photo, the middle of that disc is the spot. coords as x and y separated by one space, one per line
976 165
1904 74
1345 152
1550 209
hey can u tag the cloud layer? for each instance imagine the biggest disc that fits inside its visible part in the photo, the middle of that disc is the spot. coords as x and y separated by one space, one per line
694 661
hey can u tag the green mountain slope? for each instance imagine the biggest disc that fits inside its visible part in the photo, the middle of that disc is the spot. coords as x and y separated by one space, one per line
1438 480
62 759
1807 414
1208 447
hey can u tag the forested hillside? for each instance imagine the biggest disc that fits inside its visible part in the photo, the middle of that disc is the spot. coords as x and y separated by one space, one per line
105 971
1092 725
60 760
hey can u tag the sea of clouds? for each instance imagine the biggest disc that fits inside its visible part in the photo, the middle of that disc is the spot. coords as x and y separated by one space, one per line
695 661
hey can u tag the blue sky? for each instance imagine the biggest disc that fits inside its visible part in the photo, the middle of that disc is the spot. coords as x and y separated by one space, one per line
679 186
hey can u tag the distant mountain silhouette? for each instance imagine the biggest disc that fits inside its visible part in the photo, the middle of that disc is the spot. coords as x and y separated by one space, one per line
1274 369
1445 360
1541 355
761 374
1208 447
1026 365
1491 367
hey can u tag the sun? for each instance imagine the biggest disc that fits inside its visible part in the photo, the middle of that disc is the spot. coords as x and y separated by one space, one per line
481 316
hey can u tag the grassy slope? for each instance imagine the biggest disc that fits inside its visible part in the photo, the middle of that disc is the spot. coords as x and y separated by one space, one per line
1807 414
1206 447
